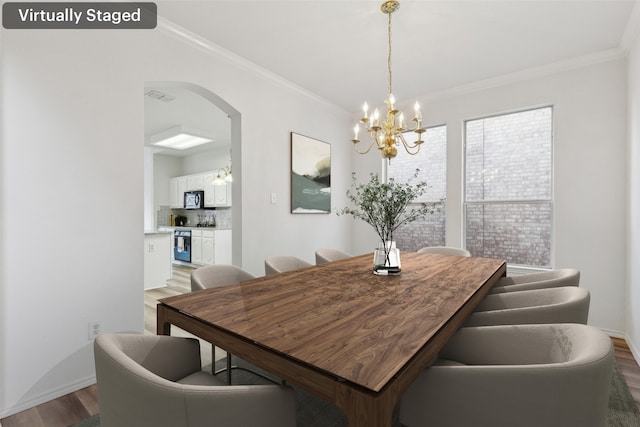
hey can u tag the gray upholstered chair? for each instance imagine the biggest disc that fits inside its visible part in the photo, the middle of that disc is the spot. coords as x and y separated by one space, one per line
281 263
567 304
553 375
210 276
157 381
445 250
541 280
324 255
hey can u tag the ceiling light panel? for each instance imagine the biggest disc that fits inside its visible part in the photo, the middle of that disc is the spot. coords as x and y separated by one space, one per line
180 138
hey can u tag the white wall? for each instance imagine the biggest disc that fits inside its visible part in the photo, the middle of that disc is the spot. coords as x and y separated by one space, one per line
633 297
71 149
73 136
210 160
589 231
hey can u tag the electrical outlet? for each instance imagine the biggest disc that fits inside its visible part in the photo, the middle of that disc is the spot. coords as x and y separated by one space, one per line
95 329
152 247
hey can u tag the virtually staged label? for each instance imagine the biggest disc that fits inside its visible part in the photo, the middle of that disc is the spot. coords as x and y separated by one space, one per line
68 15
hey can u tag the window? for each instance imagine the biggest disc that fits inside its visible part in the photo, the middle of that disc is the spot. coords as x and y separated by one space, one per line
508 182
432 162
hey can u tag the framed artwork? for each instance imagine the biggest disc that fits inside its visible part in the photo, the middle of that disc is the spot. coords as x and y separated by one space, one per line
310 175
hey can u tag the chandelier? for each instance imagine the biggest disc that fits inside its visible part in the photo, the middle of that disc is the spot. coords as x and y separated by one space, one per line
388 133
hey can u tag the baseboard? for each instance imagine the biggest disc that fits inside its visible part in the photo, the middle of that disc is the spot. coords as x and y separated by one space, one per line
635 352
46 397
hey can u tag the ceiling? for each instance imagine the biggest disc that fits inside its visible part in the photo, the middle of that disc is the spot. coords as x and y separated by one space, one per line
337 50
166 107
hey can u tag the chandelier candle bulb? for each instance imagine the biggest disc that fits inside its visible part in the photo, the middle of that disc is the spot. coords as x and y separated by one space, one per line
376 117
356 129
418 113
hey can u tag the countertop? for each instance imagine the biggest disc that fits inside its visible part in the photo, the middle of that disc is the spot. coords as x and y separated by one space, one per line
149 232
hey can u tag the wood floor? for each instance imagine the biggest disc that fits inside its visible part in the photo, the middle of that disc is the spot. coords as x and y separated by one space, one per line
75 407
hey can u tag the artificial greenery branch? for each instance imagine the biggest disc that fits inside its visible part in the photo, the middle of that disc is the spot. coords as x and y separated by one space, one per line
386 205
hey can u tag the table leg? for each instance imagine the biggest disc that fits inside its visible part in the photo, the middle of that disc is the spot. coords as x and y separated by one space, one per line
163 327
365 410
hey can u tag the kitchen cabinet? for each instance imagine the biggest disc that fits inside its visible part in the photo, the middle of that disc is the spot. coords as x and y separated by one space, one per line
222 195
202 247
223 247
208 247
195 182
214 195
177 187
209 189
196 246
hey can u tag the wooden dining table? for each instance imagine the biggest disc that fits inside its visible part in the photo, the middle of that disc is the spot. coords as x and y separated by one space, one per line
337 330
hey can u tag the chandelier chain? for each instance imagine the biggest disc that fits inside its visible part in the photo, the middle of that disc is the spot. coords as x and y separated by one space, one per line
389 56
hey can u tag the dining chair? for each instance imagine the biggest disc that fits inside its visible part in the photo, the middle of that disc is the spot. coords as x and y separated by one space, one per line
211 276
281 263
444 250
324 255
157 381
540 280
552 375
567 304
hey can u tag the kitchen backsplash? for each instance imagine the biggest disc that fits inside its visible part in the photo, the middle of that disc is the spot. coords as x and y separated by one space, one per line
195 217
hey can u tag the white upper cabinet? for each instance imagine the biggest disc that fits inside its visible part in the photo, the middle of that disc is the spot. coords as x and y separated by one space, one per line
214 195
195 182
177 187
209 196
222 195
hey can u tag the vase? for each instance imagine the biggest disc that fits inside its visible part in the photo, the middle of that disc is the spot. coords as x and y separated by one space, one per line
386 259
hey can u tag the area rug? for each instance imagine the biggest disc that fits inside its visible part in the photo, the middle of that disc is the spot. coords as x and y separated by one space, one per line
315 412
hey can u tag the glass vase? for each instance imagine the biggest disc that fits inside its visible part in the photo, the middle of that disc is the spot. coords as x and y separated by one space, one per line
386 259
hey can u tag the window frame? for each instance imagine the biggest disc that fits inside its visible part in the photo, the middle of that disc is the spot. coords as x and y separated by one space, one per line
550 201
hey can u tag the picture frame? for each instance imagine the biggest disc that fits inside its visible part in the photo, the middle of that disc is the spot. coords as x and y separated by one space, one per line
310 175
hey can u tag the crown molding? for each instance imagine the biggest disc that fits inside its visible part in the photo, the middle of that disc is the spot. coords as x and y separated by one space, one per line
530 73
182 34
631 33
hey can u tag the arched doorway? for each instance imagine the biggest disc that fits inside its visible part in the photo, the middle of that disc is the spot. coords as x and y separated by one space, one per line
214 112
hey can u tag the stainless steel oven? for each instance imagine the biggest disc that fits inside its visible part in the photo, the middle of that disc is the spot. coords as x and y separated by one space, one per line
182 245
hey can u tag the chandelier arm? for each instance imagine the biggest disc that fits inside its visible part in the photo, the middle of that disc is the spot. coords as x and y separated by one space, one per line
416 146
355 147
417 143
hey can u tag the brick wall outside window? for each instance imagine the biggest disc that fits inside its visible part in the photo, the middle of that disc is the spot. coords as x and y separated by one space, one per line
508 172
432 162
